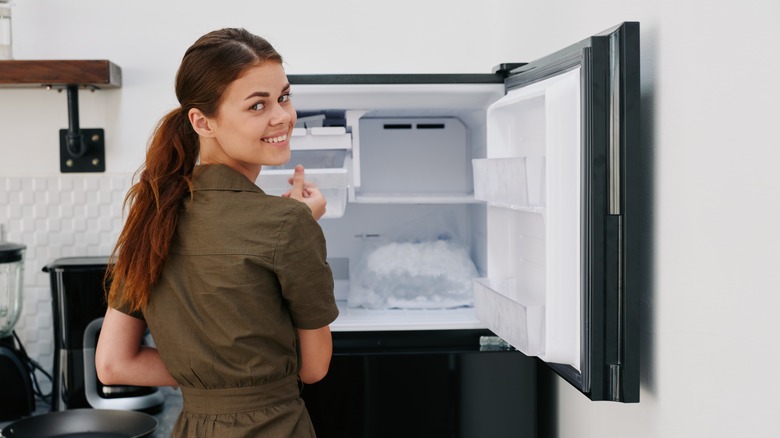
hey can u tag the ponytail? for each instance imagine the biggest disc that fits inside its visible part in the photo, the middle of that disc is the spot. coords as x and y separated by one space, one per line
209 66
154 202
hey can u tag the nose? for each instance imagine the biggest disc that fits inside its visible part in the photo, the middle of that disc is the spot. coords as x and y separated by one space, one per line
282 115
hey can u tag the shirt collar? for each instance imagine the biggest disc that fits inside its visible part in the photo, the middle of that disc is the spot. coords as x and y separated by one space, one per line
221 177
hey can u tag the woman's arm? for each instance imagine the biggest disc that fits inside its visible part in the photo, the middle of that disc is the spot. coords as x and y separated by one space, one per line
316 350
120 358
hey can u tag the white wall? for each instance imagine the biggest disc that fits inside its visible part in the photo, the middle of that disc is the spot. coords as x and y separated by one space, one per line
710 115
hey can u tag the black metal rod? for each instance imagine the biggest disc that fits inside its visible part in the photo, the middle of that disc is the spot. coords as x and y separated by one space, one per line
76 145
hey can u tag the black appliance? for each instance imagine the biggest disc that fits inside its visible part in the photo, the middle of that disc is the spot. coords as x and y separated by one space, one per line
420 383
17 398
536 167
78 306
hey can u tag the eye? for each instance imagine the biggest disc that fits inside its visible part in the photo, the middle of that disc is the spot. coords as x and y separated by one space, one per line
285 97
257 107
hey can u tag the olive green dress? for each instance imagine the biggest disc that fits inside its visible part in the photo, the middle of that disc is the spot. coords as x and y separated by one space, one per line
244 270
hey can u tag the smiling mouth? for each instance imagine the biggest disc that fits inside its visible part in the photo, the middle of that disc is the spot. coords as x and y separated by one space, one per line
278 139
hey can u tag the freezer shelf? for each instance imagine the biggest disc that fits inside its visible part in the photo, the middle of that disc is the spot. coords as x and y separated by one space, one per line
416 198
360 319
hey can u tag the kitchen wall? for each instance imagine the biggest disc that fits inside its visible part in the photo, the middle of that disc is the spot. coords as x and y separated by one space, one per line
710 297
56 216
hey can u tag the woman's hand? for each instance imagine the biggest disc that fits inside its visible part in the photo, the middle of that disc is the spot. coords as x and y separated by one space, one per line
306 192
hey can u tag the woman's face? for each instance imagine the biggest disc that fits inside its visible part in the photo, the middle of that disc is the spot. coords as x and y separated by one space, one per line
254 121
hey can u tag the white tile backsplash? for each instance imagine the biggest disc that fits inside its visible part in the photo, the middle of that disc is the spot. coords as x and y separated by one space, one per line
57 216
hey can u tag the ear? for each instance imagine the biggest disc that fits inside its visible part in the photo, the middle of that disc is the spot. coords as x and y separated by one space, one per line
202 125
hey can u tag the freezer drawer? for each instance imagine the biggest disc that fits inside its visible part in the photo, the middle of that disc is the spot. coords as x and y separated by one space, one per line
325 154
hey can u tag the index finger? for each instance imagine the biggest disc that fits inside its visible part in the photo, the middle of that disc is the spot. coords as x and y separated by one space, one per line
297 181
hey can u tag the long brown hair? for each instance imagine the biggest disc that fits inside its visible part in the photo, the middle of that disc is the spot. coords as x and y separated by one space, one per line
154 201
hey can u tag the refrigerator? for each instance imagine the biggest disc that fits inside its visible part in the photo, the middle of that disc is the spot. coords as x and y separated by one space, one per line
496 205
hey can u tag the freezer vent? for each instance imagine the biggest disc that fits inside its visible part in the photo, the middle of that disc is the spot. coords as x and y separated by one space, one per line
397 155
430 126
411 126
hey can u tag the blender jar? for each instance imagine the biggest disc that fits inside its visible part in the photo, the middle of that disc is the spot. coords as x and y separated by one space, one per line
11 281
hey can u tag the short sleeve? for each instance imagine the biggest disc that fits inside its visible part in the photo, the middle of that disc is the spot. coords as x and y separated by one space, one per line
124 307
300 263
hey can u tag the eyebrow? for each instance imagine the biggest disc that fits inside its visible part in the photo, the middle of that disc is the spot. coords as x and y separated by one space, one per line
265 93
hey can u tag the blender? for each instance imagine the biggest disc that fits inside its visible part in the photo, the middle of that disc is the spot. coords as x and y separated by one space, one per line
17 398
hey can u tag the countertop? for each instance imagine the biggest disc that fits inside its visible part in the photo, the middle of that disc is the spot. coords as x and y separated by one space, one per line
166 418
351 324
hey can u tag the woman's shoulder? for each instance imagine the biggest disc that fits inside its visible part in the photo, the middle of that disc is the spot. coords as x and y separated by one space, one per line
267 209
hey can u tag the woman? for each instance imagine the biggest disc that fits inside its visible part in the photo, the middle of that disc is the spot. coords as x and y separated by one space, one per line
233 283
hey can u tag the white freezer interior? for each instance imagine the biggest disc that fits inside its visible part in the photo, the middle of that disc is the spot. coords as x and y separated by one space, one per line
389 171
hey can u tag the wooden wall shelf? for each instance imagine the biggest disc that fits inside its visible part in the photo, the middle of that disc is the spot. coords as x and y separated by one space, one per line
81 149
99 74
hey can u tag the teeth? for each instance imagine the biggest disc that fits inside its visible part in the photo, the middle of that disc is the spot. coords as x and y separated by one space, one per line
275 139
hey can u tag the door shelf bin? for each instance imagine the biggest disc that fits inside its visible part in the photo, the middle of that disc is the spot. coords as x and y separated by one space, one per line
517 183
523 321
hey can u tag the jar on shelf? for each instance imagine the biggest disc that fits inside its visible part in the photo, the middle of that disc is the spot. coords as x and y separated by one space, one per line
5 29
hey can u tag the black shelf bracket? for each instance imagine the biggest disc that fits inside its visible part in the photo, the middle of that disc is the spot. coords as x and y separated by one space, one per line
81 149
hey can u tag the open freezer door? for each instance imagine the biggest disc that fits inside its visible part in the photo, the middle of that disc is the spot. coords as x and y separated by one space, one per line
554 182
